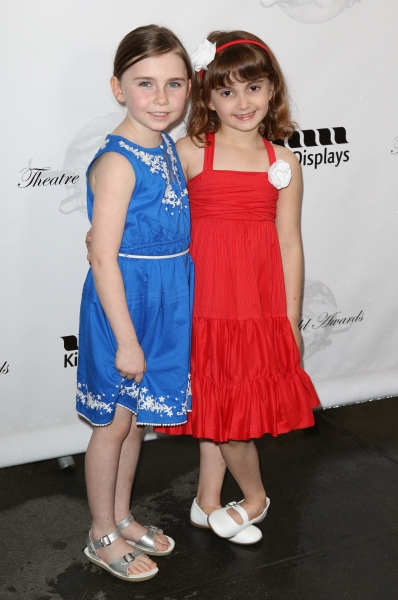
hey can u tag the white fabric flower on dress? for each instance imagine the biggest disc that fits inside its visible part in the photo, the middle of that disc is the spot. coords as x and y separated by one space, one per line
203 55
280 174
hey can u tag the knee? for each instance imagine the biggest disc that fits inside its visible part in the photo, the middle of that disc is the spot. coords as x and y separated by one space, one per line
119 429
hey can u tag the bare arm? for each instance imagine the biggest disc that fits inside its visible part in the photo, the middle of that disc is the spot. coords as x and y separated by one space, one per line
112 180
191 157
288 227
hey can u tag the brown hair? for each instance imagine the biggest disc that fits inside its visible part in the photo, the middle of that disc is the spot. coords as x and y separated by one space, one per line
243 62
146 42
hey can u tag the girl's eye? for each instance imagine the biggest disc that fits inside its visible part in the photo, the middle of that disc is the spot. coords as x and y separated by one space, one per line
226 94
145 84
174 84
254 88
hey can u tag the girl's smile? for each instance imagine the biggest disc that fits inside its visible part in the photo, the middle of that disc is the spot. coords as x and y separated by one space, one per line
246 117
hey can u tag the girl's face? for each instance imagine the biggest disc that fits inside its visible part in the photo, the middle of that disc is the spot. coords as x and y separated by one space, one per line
154 91
242 105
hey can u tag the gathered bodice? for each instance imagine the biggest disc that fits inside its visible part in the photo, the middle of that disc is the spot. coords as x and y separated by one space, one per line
232 194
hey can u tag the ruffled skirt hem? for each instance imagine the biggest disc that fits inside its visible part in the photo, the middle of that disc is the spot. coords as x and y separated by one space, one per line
245 410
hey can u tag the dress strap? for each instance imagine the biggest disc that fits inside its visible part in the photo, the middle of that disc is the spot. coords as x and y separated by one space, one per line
209 152
270 150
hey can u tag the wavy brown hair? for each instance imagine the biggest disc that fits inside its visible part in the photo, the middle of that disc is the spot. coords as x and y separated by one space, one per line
146 42
241 62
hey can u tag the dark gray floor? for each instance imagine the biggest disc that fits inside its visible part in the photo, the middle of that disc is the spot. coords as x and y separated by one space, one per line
331 531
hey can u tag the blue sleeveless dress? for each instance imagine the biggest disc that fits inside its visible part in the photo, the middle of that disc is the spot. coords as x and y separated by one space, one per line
159 294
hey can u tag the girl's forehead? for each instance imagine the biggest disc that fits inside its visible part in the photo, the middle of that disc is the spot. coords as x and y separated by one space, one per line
169 62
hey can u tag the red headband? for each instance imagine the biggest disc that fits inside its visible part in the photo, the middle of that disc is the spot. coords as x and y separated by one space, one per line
238 42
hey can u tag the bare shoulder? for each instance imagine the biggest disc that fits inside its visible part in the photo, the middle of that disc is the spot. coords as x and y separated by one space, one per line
110 161
112 169
283 153
191 157
186 147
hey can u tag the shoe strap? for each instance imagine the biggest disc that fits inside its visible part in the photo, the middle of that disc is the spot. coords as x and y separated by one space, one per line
236 506
146 541
121 565
126 522
105 540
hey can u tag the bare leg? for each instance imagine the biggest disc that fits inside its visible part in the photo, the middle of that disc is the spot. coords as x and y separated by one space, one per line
102 463
242 461
127 466
211 476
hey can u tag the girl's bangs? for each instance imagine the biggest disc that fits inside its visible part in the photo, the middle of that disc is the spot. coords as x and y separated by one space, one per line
246 65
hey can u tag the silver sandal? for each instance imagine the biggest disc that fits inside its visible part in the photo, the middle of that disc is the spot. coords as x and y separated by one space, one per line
146 543
119 567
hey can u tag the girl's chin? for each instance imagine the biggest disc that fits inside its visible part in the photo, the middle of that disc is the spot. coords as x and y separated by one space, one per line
247 125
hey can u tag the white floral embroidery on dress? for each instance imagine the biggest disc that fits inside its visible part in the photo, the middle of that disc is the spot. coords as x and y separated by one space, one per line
189 389
147 401
151 403
104 144
89 399
132 391
188 392
158 164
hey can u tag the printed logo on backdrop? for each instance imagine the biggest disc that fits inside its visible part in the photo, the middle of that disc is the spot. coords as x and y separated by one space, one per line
78 156
395 146
71 351
312 12
316 147
32 176
5 368
321 320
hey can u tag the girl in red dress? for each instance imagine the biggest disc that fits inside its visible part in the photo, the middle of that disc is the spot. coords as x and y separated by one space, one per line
245 196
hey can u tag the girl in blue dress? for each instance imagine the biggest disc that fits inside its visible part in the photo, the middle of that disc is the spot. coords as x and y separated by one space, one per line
135 319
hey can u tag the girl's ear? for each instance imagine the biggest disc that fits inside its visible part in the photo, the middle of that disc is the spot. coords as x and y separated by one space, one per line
271 91
211 105
117 89
189 87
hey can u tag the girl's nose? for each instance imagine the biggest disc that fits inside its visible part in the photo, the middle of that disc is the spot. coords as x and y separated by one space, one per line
242 102
161 97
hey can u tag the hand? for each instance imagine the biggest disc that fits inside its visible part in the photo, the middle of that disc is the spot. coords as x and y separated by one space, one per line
88 245
130 361
297 334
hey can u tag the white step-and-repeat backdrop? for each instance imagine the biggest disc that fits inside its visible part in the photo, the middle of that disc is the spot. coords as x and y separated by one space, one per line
340 58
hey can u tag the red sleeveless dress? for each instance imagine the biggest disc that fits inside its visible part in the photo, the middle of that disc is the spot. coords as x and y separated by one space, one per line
245 366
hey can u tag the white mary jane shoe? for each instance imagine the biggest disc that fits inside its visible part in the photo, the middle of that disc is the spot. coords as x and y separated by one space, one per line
225 526
251 535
